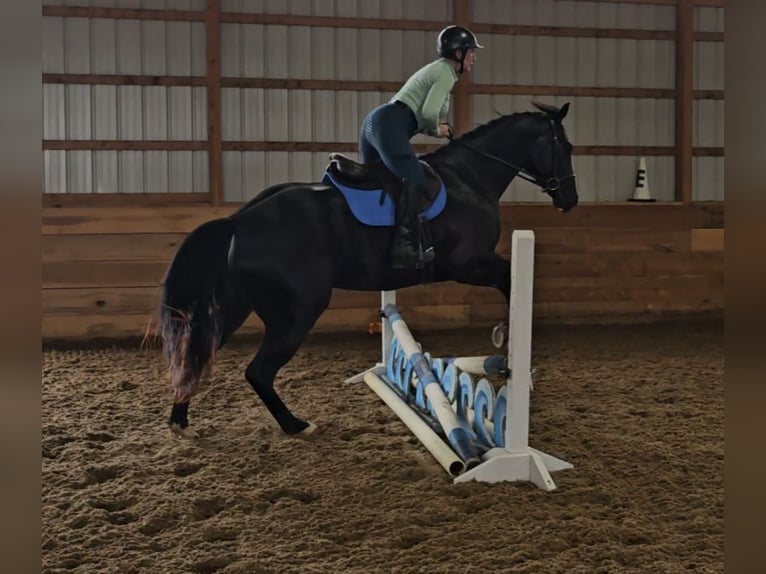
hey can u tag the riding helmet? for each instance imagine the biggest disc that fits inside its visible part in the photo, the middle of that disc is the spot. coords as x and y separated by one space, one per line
454 38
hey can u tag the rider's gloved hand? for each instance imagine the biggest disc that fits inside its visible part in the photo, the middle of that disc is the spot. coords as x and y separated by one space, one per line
445 130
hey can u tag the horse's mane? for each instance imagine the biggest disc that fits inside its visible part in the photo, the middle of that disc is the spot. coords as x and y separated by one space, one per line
481 130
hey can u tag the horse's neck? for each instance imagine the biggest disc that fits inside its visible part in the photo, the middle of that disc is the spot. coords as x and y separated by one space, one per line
508 141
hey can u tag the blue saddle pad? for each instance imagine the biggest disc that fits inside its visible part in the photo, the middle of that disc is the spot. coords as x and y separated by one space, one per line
366 207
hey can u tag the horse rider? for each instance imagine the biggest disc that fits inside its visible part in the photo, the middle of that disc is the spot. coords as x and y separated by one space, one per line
420 106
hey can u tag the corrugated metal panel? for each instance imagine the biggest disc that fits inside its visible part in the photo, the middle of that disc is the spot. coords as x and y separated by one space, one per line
320 53
155 113
179 54
275 52
131 112
231 114
128 46
323 118
131 170
439 10
199 113
708 173
180 118
154 60
54 111
198 49
201 174
106 175
232 176
79 172
180 172
708 122
708 65
78 112
103 46
156 171
299 115
105 112
323 53
55 171
606 62
708 19
53 45
299 52
574 13
77 46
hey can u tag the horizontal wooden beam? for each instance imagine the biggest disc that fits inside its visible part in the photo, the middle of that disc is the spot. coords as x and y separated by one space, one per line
307 84
124 13
708 151
712 3
658 2
331 21
120 80
118 199
293 146
708 94
574 91
125 145
428 25
367 86
708 36
718 3
380 24
571 31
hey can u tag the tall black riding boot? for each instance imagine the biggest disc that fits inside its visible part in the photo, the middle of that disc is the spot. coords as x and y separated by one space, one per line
406 251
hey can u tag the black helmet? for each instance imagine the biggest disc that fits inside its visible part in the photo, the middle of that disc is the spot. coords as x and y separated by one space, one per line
454 38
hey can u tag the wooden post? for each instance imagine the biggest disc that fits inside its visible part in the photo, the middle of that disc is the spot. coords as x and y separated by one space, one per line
684 99
461 13
213 49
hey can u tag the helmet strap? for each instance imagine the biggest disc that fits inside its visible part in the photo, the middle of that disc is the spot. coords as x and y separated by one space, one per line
460 71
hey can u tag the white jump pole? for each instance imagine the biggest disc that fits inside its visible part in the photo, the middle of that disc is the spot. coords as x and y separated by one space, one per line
517 460
457 436
440 450
386 298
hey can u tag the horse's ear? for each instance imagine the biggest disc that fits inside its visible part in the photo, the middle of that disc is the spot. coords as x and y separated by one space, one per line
563 111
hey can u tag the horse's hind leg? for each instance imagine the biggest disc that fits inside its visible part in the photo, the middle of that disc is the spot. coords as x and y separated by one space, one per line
236 312
287 321
179 421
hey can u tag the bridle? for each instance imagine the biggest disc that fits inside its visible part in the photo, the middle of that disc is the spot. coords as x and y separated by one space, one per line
550 185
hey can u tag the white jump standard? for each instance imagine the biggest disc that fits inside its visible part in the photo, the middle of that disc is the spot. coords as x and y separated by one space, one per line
487 433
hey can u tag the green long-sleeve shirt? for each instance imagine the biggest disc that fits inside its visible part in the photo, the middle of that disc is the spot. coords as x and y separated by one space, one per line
427 94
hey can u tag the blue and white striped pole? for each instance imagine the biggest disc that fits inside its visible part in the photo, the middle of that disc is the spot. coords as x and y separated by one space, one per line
457 436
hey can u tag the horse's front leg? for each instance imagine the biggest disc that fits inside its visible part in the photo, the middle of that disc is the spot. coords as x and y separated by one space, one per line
490 270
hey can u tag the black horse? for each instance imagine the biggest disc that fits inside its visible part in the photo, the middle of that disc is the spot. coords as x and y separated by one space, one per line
282 253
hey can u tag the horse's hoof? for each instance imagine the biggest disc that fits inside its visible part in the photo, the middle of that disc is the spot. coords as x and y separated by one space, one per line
178 432
498 335
306 433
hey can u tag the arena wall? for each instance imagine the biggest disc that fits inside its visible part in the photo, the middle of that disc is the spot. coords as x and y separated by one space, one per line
161 115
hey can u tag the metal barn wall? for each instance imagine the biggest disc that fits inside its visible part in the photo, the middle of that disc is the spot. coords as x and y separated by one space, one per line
108 112
708 114
178 113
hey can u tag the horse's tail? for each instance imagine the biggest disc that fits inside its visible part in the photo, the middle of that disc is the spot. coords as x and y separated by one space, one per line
188 317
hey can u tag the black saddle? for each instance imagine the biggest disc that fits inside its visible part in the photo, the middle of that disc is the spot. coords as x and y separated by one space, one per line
376 176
